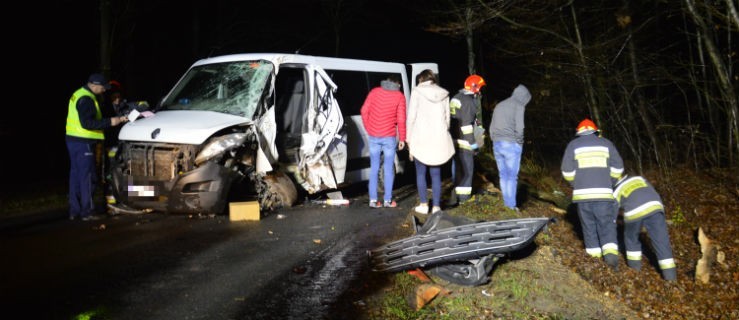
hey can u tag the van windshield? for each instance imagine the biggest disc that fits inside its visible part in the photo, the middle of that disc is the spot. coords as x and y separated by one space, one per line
230 87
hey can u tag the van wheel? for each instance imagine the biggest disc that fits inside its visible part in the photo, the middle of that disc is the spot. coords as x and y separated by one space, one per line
280 192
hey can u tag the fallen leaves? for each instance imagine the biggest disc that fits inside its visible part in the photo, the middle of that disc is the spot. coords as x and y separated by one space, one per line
419 274
424 294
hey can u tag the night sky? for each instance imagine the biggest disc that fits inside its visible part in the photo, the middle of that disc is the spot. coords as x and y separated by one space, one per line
57 46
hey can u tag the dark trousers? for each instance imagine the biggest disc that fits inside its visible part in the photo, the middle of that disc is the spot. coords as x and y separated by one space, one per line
599 232
464 166
657 231
82 178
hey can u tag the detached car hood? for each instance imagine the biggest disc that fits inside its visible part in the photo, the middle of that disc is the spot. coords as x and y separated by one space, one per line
179 126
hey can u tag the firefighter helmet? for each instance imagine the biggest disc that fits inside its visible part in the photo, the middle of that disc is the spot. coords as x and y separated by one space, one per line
586 126
474 83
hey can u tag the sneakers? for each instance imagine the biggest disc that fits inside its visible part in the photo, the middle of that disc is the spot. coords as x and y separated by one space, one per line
435 209
386 204
91 218
422 208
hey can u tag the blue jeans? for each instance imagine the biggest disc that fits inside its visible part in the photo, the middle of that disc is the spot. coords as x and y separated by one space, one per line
508 157
386 146
435 183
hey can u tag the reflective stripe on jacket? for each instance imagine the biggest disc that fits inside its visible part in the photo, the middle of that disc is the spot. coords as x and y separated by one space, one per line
591 164
638 198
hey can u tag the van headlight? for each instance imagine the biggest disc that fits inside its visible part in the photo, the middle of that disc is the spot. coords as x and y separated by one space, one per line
217 146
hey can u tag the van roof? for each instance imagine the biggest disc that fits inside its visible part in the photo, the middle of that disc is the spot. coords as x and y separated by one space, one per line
329 63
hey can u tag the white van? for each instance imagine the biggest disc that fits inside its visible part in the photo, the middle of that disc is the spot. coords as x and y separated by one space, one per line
259 123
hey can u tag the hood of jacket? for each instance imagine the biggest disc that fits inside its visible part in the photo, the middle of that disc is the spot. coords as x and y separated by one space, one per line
431 91
521 94
389 85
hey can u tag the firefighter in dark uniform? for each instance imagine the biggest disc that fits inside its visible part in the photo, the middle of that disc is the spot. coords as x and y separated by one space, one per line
463 112
592 164
643 208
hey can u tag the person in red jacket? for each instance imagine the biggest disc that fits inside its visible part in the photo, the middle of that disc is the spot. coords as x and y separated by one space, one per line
383 115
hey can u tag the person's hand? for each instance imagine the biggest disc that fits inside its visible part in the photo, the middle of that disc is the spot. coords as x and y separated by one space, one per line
401 145
114 121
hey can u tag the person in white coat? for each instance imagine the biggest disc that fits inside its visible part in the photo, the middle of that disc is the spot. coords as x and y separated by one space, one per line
428 138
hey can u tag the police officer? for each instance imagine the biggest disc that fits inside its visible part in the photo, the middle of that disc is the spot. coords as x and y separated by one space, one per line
84 133
591 164
463 113
643 208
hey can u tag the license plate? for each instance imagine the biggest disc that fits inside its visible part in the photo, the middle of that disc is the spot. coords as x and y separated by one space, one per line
141 191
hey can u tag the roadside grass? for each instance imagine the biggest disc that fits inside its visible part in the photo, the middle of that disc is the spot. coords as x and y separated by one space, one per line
506 296
33 198
513 288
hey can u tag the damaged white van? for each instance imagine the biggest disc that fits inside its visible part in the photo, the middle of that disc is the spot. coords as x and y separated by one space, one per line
258 124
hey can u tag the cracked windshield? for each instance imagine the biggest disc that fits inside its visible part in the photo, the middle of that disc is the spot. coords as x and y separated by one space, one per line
229 87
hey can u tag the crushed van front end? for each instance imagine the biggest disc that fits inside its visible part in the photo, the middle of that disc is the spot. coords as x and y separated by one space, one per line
163 177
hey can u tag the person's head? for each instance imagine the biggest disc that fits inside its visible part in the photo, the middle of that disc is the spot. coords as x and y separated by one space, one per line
394 78
115 97
426 75
97 83
586 127
474 83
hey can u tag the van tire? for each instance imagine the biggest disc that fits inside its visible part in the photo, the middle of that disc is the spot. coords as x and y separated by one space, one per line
281 192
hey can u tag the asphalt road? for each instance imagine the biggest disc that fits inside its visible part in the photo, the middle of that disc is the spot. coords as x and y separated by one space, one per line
292 264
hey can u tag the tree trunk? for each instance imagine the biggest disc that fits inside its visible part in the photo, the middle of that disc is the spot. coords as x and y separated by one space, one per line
105 20
726 88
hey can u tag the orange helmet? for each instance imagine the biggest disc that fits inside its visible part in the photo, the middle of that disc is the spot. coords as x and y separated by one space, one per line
474 83
586 126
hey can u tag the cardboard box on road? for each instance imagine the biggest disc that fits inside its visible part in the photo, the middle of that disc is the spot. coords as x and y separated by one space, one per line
240 211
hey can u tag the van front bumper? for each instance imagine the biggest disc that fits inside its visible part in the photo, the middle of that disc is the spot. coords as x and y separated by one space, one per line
202 190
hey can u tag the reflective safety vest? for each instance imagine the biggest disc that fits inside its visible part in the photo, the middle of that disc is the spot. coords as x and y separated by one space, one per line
74 127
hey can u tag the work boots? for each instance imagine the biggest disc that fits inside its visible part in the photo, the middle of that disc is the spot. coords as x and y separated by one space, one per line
634 264
669 274
612 261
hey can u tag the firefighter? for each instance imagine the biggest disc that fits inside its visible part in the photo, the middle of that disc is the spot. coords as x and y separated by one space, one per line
643 208
592 164
463 112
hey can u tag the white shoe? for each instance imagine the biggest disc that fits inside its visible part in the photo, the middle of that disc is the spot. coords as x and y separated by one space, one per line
422 208
435 209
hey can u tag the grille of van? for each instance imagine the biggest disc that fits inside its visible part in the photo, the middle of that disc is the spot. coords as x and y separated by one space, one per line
159 161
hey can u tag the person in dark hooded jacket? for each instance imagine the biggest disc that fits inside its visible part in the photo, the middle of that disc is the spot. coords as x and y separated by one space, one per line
506 132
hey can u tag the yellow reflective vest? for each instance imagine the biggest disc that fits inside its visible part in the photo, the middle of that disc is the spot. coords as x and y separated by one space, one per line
74 127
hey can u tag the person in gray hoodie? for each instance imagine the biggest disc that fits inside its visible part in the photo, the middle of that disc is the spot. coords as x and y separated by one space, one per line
506 132
427 135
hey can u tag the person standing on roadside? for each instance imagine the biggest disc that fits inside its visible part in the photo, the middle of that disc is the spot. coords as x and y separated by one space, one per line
463 111
643 208
506 132
84 133
592 164
383 115
429 142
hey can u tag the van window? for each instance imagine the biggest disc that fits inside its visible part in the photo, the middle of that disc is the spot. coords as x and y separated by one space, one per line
230 87
354 87
290 111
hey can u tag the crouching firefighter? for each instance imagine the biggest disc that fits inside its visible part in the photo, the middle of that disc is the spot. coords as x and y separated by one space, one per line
642 206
